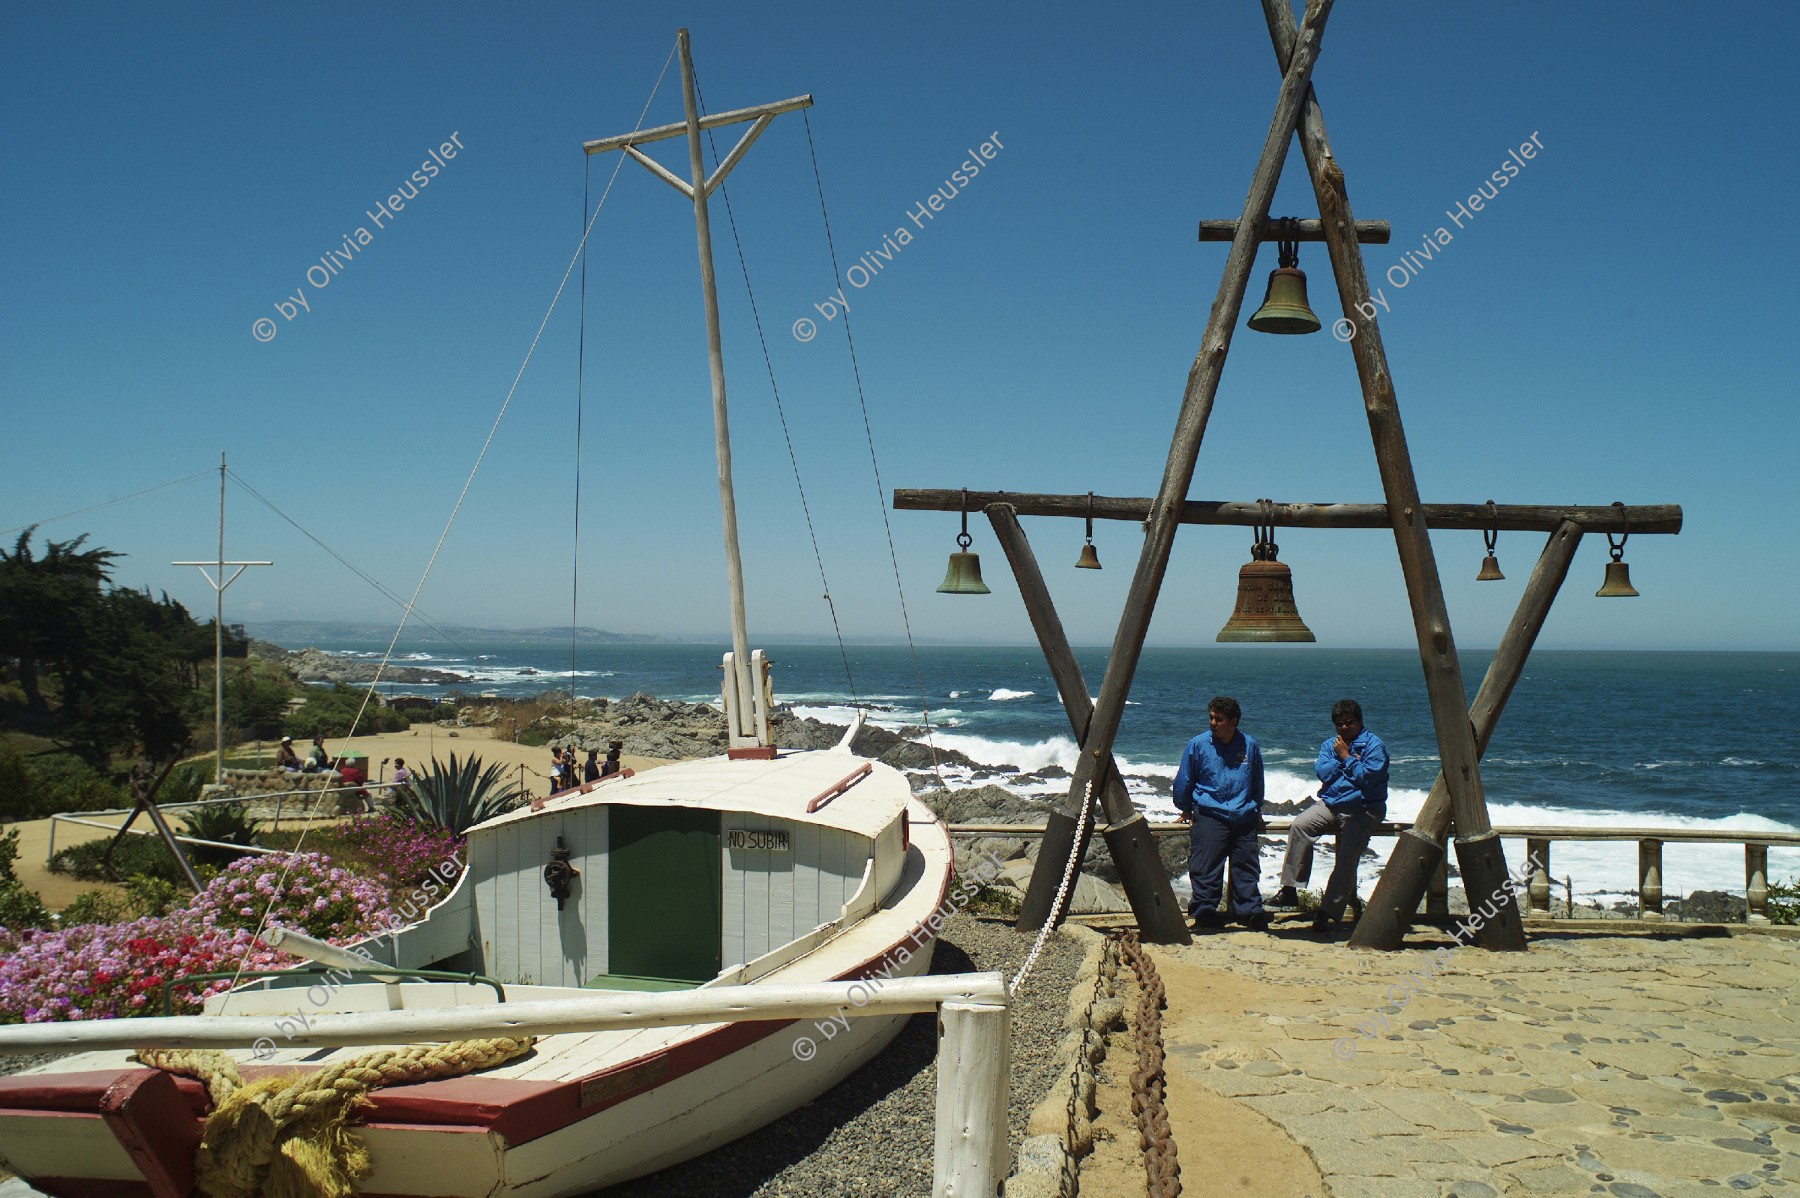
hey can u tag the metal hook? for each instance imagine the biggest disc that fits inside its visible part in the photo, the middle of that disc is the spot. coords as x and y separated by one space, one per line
1492 533
1617 548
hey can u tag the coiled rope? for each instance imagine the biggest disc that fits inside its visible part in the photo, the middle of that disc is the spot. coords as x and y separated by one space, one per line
289 1136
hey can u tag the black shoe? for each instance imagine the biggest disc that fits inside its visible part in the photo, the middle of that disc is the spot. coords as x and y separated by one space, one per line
1321 926
1286 899
1259 922
1208 919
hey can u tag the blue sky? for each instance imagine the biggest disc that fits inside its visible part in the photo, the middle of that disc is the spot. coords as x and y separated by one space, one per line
1616 324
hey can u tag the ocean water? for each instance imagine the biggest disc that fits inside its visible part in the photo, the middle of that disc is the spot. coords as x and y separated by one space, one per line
1674 739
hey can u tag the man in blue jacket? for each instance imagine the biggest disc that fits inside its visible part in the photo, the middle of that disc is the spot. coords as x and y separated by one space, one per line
1219 790
1353 773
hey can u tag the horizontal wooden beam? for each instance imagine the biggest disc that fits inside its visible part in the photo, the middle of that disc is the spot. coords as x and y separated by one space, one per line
736 116
1369 232
1275 825
1512 517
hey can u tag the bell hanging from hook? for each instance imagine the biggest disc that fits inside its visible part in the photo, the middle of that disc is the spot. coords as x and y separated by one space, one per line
1284 307
1089 559
1265 610
963 577
1490 565
1618 573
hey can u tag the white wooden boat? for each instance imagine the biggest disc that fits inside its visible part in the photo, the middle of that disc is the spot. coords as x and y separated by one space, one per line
759 867
712 867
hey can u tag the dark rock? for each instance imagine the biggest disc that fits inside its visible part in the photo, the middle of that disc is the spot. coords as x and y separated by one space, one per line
1708 906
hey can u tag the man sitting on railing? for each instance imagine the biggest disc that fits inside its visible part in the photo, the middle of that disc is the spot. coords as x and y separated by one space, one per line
1353 770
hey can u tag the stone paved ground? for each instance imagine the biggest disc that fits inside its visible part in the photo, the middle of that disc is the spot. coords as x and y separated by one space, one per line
1600 1062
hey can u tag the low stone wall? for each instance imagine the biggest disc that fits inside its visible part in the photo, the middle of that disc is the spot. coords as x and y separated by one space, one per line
1060 1131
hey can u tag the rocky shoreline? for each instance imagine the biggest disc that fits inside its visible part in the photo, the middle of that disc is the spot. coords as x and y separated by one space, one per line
318 666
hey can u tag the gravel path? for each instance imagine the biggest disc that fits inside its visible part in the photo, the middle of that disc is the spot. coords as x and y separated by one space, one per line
872 1134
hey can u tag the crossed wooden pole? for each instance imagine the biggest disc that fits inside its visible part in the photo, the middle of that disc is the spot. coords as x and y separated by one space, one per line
1456 799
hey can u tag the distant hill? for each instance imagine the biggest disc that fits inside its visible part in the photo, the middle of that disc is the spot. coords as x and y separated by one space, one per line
298 633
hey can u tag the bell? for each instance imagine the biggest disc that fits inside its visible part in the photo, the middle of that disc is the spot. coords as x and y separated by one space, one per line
964 575
1490 570
1089 560
1265 608
1284 309
1618 583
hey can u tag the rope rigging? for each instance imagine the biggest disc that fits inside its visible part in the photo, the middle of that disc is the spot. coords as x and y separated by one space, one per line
874 462
780 411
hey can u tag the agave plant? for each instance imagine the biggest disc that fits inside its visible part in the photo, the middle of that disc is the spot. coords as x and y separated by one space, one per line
456 796
229 823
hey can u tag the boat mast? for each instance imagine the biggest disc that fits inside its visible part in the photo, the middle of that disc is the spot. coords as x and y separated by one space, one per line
715 362
745 692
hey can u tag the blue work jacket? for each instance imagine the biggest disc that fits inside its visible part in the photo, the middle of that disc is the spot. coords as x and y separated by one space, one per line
1226 783
1360 781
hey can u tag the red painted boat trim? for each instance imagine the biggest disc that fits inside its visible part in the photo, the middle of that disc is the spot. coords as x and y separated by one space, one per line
145 1111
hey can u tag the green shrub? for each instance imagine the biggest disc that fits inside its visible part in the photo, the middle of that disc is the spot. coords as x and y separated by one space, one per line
21 908
1784 902
17 790
60 782
331 711
457 796
97 906
227 822
9 853
146 855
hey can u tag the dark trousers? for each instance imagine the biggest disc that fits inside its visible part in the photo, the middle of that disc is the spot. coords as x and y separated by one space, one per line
1211 842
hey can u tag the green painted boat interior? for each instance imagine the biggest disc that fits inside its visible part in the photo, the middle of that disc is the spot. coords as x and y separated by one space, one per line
613 981
664 895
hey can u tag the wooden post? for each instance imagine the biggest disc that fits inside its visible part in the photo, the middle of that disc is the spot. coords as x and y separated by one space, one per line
969 1150
1147 887
1190 428
1419 850
1537 890
1478 850
1437 892
1756 884
1650 895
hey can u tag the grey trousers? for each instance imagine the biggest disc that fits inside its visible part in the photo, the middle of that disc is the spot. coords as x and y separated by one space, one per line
1353 830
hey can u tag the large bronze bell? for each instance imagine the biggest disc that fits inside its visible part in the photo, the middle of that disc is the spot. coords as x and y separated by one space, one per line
1490 570
964 575
1089 560
1265 610
1284 308
1618 582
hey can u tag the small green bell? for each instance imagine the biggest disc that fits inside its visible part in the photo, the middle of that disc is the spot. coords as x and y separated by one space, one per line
1284 308
964 575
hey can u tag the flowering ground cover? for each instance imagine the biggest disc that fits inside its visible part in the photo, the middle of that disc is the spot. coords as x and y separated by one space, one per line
104 971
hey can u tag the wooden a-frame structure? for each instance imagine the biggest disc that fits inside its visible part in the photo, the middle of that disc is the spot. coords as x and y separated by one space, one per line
1457 800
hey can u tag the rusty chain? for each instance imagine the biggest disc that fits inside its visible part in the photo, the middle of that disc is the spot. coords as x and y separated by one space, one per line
1162 1169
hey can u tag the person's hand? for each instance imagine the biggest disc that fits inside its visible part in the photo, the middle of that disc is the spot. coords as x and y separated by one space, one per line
1185 817
1341 748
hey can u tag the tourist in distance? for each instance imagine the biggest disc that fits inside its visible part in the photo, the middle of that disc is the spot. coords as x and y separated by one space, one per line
317 759
612 759
1352 801
402 775
590 769
285 757
1219 791
558 779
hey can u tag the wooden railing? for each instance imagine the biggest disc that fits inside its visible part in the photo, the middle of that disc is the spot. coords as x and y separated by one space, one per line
1537 840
